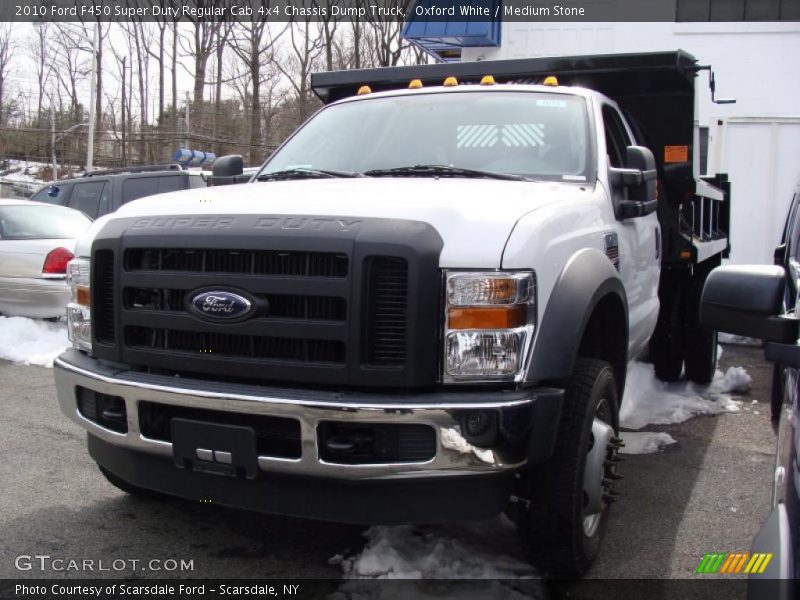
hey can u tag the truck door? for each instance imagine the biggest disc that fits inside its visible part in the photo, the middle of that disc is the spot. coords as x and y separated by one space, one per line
639 245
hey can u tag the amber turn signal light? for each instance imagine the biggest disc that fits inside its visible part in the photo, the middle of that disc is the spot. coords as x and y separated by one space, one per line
487 317
82 296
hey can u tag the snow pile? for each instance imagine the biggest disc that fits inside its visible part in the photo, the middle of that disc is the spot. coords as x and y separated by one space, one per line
650 401
31 342
465 551
474 550
645 442
737 340
451 438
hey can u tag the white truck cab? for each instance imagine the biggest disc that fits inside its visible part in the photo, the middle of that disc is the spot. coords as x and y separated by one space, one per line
421 308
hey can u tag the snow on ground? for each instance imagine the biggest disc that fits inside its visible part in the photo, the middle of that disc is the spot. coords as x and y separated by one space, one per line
648 401
27 171
30 341
737 340
464 551
645 442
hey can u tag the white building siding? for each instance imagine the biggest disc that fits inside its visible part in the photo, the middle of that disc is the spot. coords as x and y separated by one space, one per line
758 140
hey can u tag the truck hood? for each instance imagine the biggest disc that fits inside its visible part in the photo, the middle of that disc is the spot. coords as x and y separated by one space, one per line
474 217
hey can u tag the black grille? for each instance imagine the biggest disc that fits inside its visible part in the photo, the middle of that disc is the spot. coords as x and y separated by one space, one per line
103 302
285 306
197 343
387 301
275 436
255 262
336 303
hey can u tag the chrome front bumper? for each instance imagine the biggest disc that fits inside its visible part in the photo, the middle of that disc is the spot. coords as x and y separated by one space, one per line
454 457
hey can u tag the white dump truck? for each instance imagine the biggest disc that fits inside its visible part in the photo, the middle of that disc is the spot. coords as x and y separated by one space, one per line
420 309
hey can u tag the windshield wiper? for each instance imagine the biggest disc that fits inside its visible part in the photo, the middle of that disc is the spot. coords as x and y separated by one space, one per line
442 170
304 173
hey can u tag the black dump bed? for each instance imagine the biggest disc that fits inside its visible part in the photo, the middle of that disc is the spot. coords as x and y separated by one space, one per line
656 91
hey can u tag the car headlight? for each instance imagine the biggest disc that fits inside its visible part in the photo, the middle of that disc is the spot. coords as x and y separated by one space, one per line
79 317
489 324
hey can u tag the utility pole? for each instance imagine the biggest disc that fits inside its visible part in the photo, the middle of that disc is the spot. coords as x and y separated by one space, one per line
92 101
53 142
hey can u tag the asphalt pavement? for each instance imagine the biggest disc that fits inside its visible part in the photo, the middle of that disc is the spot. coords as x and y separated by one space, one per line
709 492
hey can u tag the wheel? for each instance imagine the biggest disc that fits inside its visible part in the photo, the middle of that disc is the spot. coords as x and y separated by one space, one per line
701 342
129 488
666 347
776 396
570 495
701 355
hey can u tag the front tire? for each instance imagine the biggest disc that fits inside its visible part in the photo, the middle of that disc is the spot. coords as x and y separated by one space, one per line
570 495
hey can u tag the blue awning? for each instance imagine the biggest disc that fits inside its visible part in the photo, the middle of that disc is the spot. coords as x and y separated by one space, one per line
444 35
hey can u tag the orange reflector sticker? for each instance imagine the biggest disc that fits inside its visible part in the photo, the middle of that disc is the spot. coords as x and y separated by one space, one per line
489 317
676 154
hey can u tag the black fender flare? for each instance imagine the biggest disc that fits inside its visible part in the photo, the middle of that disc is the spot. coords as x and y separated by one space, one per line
587 278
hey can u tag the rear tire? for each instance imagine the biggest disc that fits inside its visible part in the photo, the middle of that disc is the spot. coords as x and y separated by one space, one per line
701 342
558 533
666 347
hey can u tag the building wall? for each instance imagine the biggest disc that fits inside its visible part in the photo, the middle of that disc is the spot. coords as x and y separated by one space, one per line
756 140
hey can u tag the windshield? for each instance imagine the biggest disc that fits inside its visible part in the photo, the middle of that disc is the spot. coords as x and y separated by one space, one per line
538 135
36 222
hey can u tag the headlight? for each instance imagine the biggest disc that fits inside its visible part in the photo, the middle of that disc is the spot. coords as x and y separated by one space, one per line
79 319
489 324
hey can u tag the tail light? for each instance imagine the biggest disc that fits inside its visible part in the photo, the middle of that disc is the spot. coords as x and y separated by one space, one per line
55 264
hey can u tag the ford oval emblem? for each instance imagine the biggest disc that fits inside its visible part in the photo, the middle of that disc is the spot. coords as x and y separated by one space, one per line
220 305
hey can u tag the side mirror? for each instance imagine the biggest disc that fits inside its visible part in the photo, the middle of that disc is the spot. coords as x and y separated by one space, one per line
748 300
52 191
638 178
226 168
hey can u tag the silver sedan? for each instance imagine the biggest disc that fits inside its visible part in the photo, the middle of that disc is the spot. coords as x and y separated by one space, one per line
37 241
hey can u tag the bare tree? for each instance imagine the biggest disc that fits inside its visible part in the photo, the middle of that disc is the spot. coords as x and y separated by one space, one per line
142 38
122 57
159 56
39 51
305 48
200 46
71 64
253 44
174 69
387 45
6 48
224 33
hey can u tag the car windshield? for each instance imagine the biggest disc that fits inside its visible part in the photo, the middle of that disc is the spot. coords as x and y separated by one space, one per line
536 135
36 222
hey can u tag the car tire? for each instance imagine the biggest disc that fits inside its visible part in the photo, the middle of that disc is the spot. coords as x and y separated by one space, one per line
129 488
557 534
666 347
701 342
